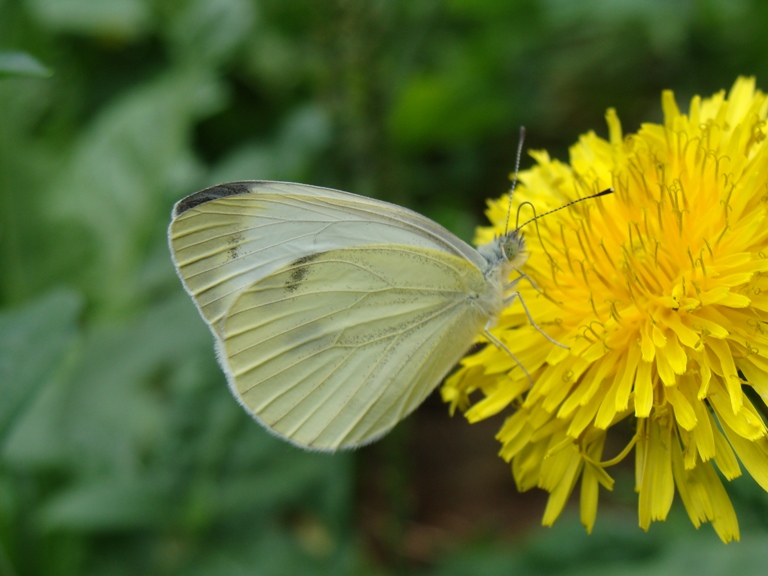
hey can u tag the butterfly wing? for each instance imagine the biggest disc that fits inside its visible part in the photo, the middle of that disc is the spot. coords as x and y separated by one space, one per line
334 349
224 239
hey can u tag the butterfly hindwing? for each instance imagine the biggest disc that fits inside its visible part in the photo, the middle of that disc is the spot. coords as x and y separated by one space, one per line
334 349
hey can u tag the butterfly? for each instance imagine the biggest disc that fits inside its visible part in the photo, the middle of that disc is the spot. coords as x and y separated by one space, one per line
334 315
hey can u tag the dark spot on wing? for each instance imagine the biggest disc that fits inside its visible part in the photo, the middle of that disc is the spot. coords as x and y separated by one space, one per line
234 243
209 194
300 271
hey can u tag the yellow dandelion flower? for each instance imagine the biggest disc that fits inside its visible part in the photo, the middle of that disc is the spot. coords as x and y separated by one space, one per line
661 294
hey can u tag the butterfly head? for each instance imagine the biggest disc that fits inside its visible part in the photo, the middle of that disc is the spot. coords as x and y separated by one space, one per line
505 252
512 246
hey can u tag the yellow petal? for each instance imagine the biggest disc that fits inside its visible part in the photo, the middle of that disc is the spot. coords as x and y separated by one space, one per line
626 377
752 453
726 368
704 497
657 488
643 390
561 479
685 415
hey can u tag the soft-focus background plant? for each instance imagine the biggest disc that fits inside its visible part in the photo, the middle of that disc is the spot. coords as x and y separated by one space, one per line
121 449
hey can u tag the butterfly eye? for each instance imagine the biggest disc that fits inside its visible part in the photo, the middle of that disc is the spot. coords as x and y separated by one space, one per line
512 245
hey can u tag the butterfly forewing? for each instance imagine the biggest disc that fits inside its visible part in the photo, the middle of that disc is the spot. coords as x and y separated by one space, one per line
334 349
226 238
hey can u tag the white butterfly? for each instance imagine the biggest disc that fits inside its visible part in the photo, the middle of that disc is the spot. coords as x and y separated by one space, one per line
334 315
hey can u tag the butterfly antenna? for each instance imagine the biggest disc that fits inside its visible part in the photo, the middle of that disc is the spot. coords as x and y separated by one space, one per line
520 141
571 203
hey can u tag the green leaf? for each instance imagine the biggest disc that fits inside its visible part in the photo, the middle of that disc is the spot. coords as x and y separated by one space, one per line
122 171
22 64
107 410
299 140
113 503
210 32
123 18
33 343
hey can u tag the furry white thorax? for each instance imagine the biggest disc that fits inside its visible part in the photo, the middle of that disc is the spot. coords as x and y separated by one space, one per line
506 253
503 255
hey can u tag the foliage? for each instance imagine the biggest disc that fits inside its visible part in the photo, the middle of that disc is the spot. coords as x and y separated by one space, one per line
122 451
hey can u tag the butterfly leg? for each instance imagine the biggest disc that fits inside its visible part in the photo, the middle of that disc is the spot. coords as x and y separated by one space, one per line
499 344
523 276
516 295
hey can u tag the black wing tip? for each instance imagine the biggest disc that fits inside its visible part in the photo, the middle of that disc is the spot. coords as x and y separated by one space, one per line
210 194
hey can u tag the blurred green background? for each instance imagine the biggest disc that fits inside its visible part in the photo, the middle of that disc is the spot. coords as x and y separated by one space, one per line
121 449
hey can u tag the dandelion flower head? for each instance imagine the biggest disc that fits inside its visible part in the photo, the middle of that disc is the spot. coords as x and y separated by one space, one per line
661 295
